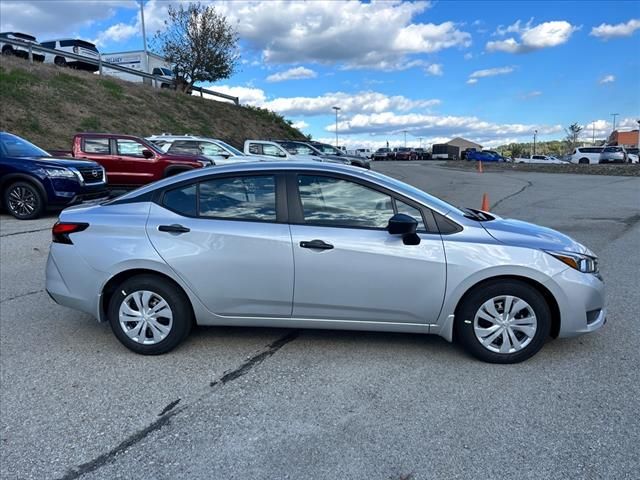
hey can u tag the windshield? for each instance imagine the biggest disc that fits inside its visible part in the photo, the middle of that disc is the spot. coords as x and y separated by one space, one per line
328 149
231 149
13 146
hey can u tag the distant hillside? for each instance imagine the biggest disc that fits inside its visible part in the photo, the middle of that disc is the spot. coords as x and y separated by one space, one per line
48 105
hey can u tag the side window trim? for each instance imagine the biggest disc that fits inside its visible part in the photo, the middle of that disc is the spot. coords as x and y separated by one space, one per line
281 192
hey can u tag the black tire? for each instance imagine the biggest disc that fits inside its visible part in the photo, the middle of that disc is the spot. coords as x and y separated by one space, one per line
470 305
7 50
60 61
583 161
169 292
23 200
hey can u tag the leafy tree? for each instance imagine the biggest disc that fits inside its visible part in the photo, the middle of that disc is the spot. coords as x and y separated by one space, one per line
573 132
200 43
517 149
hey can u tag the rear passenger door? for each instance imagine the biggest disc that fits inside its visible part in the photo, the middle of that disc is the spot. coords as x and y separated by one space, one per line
226 237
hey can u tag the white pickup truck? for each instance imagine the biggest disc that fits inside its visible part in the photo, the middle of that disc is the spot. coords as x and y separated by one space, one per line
542 159
275 151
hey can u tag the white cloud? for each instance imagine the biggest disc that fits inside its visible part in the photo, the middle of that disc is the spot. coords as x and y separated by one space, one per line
297 73
468 56
533 94
55 18
418 124
350 103
300 124
489 72
379 35
606 31
434 69
607 79
544 35
116 33
516 27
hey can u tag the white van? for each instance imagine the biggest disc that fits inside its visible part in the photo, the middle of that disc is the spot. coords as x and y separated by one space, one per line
586 155
77 46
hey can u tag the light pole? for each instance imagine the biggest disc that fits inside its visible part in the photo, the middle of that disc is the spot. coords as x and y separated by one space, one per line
337 109
593 136
144 36
405 137
614 115
535 134
420 138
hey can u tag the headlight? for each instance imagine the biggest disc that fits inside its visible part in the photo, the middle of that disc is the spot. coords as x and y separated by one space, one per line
582 263
59 173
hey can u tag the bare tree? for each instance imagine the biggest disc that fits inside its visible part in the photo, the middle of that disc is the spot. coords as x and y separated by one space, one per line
200 43
573 132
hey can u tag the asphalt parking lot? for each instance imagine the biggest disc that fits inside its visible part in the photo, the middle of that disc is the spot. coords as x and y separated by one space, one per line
272 404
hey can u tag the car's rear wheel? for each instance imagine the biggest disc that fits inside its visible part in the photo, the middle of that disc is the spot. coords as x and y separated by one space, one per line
583 160
23 201
60 61
505 321
149 315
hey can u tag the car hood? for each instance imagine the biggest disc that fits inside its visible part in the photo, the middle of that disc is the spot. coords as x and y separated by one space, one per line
60 162
524 234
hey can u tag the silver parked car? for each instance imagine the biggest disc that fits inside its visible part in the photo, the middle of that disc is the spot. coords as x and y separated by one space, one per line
613 155
304 244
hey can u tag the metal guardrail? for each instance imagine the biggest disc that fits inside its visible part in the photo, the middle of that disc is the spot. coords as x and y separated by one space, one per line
30 47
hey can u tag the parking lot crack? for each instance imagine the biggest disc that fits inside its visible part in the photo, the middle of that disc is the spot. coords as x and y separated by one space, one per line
529 184
27 231
15 297
172 410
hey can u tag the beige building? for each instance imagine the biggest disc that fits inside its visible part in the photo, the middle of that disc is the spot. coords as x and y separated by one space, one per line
463 144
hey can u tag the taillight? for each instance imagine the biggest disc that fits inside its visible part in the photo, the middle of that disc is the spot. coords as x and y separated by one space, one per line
61 231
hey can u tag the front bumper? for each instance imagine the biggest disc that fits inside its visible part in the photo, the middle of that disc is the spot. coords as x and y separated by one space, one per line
581 300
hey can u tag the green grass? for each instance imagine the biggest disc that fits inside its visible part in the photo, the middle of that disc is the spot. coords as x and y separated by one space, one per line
31 125
14 83
90 124
66 81
113 88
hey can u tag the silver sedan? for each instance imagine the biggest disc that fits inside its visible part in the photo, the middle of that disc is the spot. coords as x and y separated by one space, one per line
302 245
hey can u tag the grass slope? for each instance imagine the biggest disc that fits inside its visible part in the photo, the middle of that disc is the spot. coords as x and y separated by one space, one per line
47 105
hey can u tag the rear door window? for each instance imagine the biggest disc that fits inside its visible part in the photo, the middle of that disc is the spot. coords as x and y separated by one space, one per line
182 200
239 198
98 146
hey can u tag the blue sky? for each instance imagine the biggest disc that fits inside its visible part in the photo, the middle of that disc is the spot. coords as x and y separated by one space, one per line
489 71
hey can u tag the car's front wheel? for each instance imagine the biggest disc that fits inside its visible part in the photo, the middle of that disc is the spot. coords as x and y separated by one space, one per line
505 321
23 201
149 314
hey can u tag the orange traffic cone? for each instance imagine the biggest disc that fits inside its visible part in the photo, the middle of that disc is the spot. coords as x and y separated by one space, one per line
485 203
480 166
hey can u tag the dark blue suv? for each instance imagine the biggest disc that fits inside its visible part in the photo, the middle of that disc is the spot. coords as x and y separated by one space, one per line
31 180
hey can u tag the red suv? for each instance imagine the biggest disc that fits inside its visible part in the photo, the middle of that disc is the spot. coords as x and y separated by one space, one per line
132 161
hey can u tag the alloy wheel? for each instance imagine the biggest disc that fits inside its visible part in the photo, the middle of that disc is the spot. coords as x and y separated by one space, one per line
145 317
505 324
22 201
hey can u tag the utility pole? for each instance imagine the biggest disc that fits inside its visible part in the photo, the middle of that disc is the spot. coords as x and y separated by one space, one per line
614 115
593 137
535 134
144 37
337 109
420 138
405 137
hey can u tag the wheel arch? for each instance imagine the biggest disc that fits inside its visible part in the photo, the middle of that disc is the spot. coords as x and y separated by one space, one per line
12 178
544 291
117 279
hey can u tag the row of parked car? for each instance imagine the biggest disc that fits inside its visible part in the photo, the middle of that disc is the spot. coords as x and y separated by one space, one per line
33 180
401 153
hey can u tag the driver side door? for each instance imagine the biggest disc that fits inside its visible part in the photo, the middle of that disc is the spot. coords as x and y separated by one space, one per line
348 267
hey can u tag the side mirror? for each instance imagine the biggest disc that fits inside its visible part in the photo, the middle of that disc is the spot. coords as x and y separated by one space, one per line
405 225
147 153
225 154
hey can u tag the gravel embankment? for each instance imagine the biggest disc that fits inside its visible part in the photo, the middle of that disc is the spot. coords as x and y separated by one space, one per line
626 170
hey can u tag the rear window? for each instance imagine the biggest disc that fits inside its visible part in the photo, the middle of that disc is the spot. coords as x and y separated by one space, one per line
96 145
612 149
78 43
22 36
